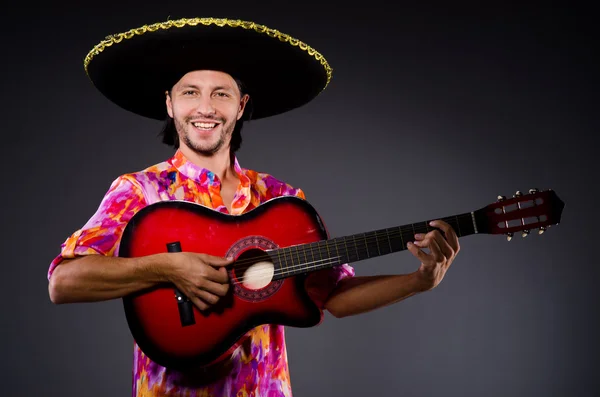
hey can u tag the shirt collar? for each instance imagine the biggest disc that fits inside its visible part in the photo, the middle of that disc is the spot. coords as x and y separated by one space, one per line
203 175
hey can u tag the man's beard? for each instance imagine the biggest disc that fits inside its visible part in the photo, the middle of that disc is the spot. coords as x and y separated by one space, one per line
182 130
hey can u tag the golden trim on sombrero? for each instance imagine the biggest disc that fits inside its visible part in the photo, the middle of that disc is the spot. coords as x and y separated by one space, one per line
179 23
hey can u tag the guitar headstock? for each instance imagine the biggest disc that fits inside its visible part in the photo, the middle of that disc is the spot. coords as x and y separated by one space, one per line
521 213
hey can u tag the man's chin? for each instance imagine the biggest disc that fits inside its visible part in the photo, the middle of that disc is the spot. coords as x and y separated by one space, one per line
205 150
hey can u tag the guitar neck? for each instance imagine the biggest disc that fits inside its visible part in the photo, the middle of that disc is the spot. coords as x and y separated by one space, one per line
304 258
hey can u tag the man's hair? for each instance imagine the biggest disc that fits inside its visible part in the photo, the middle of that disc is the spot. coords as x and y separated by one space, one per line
171 138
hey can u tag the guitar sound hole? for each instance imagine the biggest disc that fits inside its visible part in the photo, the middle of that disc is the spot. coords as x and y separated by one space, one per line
254 269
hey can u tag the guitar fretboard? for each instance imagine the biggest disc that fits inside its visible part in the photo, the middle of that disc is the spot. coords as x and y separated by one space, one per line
304 258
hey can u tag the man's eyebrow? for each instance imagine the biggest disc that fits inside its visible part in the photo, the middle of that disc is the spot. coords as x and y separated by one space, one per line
223 87
218 87
184 86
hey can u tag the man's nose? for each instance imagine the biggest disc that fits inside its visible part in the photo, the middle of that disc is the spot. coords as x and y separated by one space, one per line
205 106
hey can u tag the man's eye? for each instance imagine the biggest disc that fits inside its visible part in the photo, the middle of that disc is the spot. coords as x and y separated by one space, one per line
222 94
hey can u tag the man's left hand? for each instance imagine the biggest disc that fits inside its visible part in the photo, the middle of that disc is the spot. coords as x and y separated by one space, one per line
442 251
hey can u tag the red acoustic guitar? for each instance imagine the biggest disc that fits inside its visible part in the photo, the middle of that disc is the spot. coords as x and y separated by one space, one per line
274 246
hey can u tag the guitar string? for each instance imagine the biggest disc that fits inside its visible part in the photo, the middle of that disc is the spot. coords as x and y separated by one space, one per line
318 250
267 274
304 265
392 232
240 280
337 243
360 251
330 247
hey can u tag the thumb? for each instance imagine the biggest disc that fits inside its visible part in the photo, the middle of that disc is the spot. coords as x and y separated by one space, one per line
217 260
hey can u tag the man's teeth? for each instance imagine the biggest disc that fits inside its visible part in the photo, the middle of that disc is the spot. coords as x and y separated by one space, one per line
205 125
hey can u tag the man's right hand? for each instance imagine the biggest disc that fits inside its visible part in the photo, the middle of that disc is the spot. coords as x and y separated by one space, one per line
201 277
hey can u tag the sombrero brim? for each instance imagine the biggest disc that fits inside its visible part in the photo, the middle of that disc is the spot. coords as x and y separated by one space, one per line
135 68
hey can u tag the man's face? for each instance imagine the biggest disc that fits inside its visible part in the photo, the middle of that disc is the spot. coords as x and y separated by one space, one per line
205 105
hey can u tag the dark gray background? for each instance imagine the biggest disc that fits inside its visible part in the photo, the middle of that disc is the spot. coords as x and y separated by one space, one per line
431 112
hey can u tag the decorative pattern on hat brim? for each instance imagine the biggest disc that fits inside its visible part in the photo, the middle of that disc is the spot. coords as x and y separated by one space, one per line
134 69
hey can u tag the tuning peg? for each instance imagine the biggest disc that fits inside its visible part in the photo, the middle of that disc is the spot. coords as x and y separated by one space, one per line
518 194
532 191
525 233
541 230
509 236
501 198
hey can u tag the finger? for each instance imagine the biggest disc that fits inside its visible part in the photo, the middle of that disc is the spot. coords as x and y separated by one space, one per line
435 249
436 235
443 244
417 252
207 297
214 288
218 275
217 261
201 305
419 236
449 233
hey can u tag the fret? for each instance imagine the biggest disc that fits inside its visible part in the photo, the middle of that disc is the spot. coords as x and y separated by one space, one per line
396 240
286 262
278 261
337 251
300 265
320 245
457 228
329 259
401 237
349 259
291 259
305 258
383 247
407 236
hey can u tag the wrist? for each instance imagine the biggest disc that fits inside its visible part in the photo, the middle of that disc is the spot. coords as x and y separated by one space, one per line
422 281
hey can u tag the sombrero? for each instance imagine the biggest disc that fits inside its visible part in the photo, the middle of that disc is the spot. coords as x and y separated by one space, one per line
134 69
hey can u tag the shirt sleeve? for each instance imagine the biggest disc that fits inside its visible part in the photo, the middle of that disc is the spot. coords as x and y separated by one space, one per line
102 232
321 283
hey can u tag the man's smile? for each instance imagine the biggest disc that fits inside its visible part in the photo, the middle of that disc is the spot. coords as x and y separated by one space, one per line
205 125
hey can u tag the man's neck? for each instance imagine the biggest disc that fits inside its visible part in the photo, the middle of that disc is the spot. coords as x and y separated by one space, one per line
219 164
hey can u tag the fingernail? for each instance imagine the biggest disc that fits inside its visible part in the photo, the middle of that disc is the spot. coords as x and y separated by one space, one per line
418 235
432 223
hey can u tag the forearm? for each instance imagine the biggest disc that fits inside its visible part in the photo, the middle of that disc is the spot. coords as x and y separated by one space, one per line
98 277
357 295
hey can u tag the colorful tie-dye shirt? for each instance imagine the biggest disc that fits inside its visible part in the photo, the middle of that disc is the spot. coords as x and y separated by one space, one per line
258 368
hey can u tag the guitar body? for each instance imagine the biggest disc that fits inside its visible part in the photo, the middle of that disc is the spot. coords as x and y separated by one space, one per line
153 315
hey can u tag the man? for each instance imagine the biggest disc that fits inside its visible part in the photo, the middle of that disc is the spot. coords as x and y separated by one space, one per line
206 77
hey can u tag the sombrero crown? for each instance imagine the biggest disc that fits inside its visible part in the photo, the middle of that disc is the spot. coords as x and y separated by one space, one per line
134 69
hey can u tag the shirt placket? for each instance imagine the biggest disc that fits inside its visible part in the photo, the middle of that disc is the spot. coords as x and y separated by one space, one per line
214 193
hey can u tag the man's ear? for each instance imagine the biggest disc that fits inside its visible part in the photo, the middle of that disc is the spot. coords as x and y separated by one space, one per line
169 104
243 103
